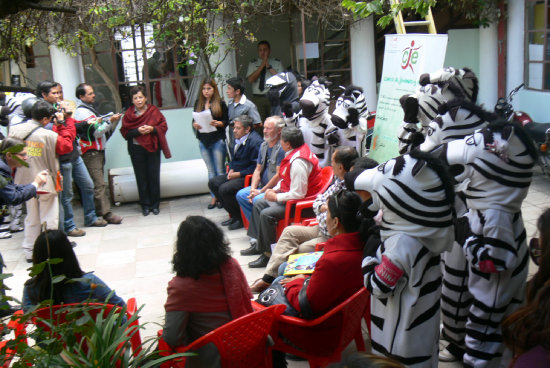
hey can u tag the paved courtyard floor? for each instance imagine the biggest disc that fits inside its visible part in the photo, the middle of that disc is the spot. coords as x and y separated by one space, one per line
134 258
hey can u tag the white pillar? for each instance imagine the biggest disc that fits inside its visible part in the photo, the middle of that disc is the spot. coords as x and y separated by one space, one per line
488 66
363 61
67 70
515 46
224 57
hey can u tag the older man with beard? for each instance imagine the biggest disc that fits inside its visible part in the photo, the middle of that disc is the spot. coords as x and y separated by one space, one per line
266 174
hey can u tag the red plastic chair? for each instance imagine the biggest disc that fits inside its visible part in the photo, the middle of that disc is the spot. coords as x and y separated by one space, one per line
322 340
247 180
63 312
241 343
327 175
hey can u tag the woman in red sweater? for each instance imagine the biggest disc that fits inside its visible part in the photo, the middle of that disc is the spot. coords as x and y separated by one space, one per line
144 127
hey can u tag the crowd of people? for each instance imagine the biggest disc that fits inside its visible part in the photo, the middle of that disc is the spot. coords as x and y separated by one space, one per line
435 234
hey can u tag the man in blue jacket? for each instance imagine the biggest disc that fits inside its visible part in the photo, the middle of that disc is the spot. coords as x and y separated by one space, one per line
226 186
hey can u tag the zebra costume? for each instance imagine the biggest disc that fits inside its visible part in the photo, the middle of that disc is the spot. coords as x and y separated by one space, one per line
314 105
497 161
435 89
457 119
415 195
350 116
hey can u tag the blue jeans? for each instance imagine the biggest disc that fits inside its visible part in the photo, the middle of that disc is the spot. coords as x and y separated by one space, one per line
246 206
214 158
76 170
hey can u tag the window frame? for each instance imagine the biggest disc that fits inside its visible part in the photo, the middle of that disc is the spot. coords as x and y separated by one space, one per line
528 32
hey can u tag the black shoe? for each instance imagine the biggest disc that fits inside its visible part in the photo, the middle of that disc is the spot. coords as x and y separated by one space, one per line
219 204
155 211
251 251
211 206
260 262
227 222
145 211
73 244
237 224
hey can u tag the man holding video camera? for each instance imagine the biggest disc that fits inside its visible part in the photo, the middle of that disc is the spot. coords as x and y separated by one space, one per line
94 131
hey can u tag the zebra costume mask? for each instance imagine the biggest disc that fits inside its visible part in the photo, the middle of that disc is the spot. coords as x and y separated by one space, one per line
435 89
404 276
283 93
350 116
314 104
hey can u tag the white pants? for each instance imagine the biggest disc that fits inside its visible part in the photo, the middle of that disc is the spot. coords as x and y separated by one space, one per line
45 208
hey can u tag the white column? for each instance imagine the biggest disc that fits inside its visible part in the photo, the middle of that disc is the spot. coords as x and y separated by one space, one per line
363 62
515 46
67 70
224 57
488 66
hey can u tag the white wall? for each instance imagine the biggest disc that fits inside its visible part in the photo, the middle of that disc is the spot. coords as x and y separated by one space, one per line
67 70
488 66
363 61
514 46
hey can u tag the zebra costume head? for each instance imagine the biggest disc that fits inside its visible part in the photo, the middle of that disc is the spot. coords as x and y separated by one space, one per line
315 100
283 91
456 120
350 108
415 193
459 82
496 162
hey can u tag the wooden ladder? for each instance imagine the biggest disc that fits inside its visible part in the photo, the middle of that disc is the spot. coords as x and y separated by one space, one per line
400 24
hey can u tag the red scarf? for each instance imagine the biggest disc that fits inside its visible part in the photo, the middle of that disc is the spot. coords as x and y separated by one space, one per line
152 116
219 292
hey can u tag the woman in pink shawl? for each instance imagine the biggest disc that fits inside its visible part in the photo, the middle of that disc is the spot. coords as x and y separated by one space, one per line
144 127
209 288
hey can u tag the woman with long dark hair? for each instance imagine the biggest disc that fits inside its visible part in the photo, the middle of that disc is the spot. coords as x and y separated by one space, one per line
209 288
212 145
527 331
55 244
144 127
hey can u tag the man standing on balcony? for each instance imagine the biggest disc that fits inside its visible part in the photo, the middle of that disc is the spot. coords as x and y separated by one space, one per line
259 70
94 133
300 177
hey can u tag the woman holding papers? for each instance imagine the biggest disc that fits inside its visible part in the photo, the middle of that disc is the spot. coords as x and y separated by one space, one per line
209 121
144 127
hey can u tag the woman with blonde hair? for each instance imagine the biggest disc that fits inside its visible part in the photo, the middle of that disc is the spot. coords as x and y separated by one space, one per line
212 144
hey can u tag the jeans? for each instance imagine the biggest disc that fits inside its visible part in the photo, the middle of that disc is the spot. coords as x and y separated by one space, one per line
245 204
76 170
214 158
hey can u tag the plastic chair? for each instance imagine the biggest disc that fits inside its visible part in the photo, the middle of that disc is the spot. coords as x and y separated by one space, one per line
64 312
322 340
327 175
240 343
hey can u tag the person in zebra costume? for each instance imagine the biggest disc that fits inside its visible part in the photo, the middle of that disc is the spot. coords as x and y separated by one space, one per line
415 193
496 165
435 89
350 116
456 120
322 135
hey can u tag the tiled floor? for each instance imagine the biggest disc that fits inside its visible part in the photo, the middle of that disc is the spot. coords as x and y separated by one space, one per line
134 258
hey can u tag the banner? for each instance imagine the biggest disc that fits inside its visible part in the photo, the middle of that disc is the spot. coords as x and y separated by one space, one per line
406 57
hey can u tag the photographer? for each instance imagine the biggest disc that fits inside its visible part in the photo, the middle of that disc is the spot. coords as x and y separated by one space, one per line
42 145
94 132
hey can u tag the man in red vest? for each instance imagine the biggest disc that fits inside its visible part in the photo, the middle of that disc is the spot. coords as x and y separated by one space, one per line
300 177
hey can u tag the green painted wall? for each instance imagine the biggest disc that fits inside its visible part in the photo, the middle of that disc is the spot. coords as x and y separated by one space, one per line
181 139
463 49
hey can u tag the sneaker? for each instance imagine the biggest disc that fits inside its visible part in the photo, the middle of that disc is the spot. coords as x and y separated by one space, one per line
76 232
446 356
99 223
5 235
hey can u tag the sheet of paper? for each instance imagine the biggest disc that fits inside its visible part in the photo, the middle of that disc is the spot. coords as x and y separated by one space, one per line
204 118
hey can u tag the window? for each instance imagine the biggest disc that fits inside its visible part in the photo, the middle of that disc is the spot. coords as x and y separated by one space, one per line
537 48
37 64
134 58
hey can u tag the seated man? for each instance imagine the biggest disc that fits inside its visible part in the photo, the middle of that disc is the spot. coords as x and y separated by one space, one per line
300 177
302 239
226 186
266 174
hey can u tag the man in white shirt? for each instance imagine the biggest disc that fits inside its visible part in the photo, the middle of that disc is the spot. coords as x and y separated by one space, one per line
259 70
